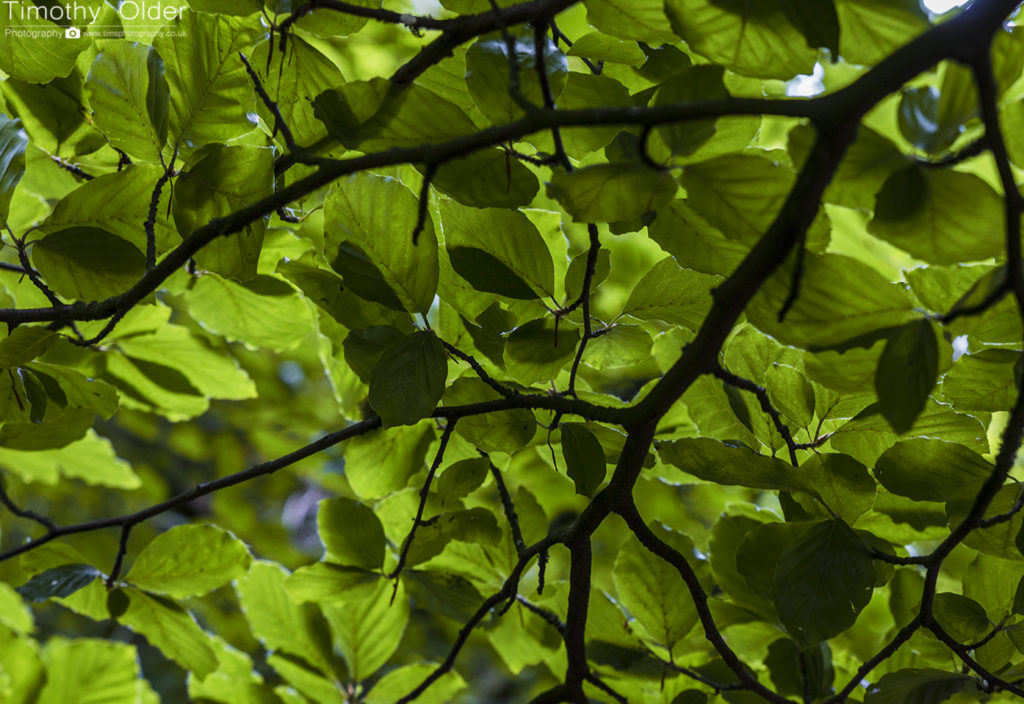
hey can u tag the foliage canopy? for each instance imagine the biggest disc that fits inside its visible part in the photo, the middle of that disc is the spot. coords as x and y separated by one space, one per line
547 351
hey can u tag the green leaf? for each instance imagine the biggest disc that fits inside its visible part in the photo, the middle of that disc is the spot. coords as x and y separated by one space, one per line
931 470
611 192
376 114
300 676
25 344
409 379
654 592
327 582
822 581
816 20
368 628
621 346
351 532
871 29
536 351
263 312
28 55
907 371
842 483
233 681
788 666
753 40
58 582
129 97
584 458
983 381
189 560
400 449
840 299
717 462
582 91
90 670
636 20
379 215
212 372
695 84
118 203
962 617
296 82
14 612
487 74
92 459
685 234
12 160
940 216
171 629
399 682
491 432
999 539
868 434
211 94
462 478
87 263
490 178
517 264
673 294
740 195
219 181
278 621
601 47
916 686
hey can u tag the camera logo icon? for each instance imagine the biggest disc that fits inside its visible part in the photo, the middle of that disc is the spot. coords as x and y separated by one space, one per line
72 33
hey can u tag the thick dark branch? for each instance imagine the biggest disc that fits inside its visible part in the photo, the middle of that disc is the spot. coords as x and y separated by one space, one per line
578 606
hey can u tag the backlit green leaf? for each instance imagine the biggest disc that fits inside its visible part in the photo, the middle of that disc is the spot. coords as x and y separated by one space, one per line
408 380
189 561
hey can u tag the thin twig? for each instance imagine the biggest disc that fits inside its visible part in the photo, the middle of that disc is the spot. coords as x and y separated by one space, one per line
584 300
154 203
475 366
970 151
766 405
424 493
6 500
199 490
72 169
557 35
423 205
279 122
507 506
540 38
122 550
